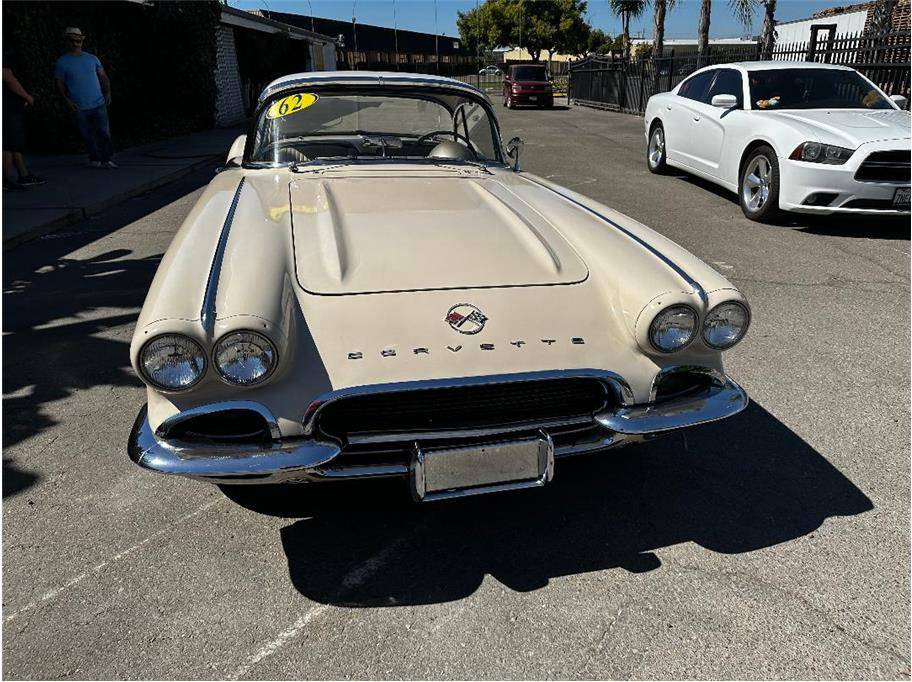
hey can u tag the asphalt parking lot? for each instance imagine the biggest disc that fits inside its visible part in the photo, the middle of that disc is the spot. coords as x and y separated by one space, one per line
771 545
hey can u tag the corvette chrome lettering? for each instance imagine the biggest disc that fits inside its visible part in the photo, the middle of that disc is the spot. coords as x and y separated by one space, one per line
424 350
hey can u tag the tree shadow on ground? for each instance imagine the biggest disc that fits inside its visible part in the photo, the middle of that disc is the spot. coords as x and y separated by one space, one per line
854 226
59 316
731 487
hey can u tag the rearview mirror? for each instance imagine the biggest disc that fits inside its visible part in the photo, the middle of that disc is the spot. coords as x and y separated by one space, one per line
725 101
237 148
901 102
514 148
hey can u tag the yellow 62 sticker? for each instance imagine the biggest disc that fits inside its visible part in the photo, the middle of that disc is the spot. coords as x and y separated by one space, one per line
291 104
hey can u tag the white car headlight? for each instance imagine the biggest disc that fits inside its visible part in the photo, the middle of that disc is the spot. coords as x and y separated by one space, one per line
815 152
673 328
172 362
725 325
245 358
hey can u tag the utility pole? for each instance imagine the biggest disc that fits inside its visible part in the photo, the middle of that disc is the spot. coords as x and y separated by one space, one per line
436 41
396 34
355 36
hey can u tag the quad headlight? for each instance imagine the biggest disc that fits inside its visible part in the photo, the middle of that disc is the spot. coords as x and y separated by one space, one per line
815 152
725 325
172 362
673 328
245 358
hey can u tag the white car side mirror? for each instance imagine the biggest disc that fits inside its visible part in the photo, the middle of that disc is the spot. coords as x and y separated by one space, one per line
514 148
725 101
901 101
237 148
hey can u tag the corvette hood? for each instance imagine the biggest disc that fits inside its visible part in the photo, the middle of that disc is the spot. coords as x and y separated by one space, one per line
849 127
373 234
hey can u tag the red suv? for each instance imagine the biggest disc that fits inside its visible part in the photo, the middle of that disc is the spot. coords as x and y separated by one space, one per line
527 84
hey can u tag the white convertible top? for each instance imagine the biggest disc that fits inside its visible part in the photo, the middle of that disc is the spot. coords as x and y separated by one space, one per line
366 78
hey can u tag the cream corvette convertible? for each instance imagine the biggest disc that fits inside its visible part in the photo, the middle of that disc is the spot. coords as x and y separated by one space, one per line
372 288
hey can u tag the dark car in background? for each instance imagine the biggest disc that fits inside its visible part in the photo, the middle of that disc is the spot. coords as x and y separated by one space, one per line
527 84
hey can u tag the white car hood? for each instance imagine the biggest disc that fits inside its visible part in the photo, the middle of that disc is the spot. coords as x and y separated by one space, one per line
849 127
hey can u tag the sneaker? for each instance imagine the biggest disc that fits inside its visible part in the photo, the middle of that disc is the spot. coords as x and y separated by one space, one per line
30 180
109 164
95 164
13 186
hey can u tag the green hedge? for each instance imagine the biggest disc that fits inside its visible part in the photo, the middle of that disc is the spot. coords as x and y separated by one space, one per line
160 57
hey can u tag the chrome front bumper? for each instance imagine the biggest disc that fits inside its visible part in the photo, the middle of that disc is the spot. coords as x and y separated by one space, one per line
315 459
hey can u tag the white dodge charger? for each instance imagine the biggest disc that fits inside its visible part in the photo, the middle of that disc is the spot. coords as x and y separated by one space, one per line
795 136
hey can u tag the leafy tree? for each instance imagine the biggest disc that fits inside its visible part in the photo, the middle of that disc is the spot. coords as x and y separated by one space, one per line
537 25
599 42
744 10
627 10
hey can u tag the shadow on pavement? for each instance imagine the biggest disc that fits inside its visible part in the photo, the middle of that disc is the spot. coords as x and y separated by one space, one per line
856 226
55 311
731 487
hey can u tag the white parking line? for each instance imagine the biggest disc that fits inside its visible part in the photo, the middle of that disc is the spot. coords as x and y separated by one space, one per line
352 579
95 569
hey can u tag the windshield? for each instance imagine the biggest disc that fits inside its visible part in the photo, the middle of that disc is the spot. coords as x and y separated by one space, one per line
529 73
813 89
310 125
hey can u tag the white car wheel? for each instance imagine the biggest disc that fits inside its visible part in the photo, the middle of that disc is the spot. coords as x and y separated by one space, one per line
655 152
759 195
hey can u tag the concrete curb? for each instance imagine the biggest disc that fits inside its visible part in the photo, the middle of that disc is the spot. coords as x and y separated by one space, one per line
77 214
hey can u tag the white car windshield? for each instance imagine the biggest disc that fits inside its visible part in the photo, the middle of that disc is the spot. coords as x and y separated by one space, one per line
310 125
809 88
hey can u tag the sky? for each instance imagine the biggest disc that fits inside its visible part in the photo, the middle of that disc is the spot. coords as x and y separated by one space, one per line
419 15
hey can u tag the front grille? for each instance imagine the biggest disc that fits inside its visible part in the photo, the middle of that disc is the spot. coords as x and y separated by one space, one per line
467 407
891 166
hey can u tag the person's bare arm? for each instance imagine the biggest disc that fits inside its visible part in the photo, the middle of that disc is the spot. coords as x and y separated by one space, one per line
61 88
10 81
105 84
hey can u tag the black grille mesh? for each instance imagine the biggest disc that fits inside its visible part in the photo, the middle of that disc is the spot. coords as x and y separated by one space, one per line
463 407
887 166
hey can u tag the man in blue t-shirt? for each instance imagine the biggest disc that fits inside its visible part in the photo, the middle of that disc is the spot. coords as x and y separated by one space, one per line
83 83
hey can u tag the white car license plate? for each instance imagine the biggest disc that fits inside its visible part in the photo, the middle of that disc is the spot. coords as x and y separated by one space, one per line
482 468
533 98
901 197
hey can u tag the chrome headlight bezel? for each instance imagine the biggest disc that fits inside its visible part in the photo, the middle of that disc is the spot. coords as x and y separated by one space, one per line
158 386
695 331
227 338
707 319
818 152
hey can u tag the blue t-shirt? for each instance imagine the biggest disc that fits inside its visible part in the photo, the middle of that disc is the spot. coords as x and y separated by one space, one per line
79 72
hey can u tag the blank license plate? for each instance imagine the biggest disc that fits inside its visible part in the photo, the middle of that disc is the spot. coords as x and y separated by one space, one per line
901 198
481 468
533 98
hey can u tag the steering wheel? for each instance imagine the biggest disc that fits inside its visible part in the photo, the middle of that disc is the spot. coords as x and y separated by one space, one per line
456 137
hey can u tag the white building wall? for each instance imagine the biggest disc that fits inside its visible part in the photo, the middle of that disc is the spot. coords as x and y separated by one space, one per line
800 31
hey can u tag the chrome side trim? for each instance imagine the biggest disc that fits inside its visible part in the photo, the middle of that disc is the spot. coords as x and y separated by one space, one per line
718 376
698 289
716 403
213 408
616 383
207 312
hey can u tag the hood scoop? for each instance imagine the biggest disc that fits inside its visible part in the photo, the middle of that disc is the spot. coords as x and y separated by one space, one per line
369 235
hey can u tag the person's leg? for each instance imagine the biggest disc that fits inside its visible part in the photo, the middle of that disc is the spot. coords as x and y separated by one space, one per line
83 124
8 166
19 162
103 134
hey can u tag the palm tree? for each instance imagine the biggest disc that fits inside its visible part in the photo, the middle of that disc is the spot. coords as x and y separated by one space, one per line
744 10
658 26
703 31
627 10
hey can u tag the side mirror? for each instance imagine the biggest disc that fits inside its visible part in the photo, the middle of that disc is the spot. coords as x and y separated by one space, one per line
725 101
901 102
237 148
514 149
